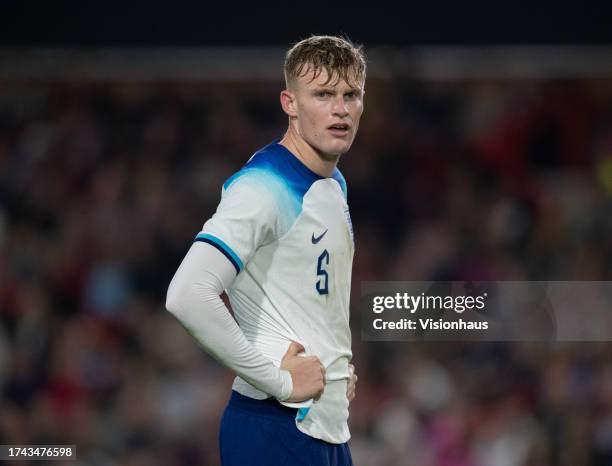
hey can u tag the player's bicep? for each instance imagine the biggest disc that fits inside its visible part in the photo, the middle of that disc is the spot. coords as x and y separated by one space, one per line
203 273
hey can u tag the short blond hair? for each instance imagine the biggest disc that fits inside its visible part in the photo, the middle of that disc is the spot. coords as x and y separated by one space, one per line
337 55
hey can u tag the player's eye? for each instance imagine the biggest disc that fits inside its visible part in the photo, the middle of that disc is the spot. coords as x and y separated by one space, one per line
323 93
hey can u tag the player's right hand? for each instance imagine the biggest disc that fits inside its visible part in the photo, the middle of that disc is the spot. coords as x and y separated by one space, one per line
307 373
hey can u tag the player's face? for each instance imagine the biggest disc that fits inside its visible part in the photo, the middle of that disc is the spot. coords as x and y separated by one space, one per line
327 115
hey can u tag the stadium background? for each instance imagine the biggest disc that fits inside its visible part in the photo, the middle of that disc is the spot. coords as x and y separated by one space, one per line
485 152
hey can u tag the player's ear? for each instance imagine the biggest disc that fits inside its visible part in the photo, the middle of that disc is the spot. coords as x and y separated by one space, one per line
288 103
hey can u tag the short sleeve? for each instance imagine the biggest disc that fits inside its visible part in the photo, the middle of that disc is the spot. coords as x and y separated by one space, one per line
246 219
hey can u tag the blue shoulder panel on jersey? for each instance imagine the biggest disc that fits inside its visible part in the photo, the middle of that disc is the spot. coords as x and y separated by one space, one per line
223 248
337 175
283 175
279 161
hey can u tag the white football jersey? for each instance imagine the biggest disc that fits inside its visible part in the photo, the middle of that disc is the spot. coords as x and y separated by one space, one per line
288 233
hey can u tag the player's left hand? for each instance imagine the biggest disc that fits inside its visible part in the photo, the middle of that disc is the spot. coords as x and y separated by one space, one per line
350 389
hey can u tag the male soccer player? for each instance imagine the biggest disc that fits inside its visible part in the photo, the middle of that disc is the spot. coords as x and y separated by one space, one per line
281 245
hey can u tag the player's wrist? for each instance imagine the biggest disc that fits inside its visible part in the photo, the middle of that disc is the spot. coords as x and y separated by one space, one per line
286 385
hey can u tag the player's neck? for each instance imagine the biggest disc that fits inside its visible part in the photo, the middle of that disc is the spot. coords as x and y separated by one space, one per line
307 155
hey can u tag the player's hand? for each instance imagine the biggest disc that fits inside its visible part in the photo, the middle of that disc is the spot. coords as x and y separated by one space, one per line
352 382
307 373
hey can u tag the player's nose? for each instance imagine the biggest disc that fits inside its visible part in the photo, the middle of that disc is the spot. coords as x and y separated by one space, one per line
339 107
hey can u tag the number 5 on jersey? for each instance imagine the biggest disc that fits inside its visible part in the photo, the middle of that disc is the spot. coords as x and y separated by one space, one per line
323 278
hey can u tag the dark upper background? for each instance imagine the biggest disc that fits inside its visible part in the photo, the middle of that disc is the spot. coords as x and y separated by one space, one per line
227 23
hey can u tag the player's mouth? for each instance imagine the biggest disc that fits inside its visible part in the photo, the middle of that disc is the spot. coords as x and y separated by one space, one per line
339 129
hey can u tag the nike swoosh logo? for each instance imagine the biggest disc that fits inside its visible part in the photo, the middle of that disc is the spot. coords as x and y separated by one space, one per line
318 238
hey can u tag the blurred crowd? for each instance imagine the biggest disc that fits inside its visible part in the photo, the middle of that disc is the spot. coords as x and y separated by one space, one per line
103 186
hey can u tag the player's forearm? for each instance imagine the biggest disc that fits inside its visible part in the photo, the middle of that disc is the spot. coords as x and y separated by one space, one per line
193 297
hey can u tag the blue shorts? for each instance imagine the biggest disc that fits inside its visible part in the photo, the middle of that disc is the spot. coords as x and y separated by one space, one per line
263 433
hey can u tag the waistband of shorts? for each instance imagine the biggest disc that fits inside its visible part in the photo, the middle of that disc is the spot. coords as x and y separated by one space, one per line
268 407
